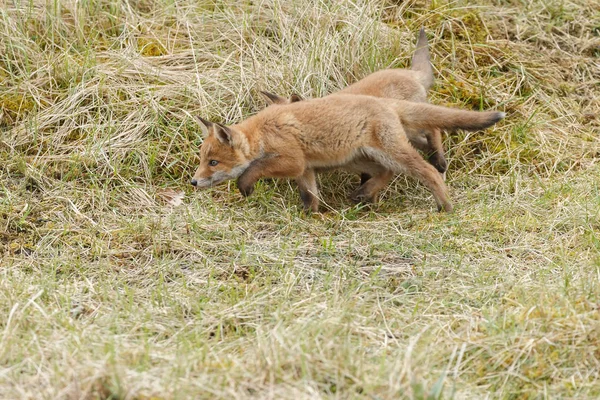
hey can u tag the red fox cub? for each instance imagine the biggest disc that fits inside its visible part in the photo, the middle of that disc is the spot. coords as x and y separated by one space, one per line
292 140
399 84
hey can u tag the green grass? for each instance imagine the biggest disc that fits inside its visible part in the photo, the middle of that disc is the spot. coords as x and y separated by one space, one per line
106 291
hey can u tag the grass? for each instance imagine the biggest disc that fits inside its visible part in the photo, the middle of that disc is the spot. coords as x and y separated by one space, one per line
107 291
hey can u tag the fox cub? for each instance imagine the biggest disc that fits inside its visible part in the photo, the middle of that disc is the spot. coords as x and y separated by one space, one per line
292 140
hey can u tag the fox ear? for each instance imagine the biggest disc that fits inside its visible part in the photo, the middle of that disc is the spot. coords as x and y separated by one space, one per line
208 126
273 98
221 132
224 134
295 97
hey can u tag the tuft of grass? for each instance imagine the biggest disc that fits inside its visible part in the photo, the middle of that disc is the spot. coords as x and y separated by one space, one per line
108 292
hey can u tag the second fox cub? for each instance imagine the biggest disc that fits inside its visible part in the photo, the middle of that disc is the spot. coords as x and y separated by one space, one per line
399 84
291 141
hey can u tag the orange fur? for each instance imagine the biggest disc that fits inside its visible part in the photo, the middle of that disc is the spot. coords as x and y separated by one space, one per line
291 141
399 84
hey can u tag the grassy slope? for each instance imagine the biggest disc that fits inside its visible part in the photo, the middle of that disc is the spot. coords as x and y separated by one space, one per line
106 291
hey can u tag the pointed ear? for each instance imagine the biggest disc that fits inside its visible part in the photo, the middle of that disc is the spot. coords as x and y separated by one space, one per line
273 98
295 97
208 126
224 134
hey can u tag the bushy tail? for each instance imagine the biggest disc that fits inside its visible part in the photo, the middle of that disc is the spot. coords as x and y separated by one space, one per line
420 61
427 116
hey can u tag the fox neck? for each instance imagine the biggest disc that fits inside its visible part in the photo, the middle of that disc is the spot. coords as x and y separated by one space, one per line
241 142
249 142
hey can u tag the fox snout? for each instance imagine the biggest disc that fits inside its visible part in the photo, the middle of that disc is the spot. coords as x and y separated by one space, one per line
202 183
205 179
202 179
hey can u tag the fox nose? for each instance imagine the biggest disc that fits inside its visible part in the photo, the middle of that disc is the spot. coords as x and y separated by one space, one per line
194 182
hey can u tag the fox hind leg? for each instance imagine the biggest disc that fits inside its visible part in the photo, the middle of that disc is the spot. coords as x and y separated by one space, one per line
398 155
436 155
368 190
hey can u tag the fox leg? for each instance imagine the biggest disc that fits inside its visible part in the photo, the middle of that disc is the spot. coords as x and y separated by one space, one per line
309 192
268 167
249 177
398 155
430 143
368 190
364 177
436 150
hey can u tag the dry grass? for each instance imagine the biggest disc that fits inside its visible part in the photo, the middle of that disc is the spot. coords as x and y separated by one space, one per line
106 291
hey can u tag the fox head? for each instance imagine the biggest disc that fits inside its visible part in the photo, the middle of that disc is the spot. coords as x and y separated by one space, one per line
276 99
223 155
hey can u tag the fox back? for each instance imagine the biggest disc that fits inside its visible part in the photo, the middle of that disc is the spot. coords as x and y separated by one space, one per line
397 84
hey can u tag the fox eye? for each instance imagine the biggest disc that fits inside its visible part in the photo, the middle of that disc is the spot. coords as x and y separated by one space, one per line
212 163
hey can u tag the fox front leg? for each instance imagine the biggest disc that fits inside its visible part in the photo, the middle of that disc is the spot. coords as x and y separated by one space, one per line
364 177
251 175
246 182
309 191
268 166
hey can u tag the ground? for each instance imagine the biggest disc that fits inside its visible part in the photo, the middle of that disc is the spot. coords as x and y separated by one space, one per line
113 285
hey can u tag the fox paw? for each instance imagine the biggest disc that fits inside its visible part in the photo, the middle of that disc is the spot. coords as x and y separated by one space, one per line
364 177
439 162
358 196
246 188
445 207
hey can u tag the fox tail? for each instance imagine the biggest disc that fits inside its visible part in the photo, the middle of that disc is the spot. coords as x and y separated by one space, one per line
421 63
427 116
